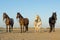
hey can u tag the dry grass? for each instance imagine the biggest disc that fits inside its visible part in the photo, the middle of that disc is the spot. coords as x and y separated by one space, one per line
30 35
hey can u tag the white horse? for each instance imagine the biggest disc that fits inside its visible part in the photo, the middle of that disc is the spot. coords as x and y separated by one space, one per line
37 23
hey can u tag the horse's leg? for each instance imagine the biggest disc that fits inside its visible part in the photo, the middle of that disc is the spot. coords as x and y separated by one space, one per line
6 28
21 28
12 27
35 28
54 28
26 27
39 28
35 25
50 27
9 28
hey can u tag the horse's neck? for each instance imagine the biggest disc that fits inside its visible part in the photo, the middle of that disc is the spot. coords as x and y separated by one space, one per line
8 18
7 21
21 18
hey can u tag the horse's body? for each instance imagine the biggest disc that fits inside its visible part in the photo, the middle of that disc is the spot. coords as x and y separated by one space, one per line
24 22
52 21
9 22
37 24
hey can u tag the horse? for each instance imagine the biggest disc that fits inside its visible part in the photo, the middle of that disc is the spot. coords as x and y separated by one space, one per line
24 22
52 22
9 22
37 23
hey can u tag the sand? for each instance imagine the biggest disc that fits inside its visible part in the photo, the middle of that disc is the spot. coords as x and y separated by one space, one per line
30 35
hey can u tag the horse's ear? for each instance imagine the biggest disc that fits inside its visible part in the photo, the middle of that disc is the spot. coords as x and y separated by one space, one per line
54 12
4 13
18 12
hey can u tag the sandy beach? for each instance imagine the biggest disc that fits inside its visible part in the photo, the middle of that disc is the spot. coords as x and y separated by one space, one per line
30 35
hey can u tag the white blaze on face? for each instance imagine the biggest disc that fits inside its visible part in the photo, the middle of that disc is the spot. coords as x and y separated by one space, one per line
8 28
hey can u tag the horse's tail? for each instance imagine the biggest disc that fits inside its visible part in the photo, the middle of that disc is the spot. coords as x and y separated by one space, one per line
11 22
28 20
49 19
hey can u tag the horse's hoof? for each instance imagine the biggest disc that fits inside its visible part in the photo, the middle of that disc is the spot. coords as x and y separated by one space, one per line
20 32
24 31
6 31
53 31
50 31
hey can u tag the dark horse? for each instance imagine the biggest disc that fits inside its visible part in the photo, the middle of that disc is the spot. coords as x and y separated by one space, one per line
23 22
52 21
9 22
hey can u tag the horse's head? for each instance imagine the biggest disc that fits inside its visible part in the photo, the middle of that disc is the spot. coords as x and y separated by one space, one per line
19 15
37 17
54 15
4 15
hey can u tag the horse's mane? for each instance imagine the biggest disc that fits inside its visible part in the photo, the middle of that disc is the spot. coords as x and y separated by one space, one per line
37 19
6 14
20 15
54 14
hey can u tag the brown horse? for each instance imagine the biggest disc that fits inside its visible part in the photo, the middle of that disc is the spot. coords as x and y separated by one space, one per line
9 22
23 22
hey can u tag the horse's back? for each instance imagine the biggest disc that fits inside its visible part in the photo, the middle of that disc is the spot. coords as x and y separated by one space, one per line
26 21
11 21
49 19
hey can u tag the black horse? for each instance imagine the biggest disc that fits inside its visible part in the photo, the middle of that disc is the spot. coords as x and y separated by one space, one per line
52 21
9 22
